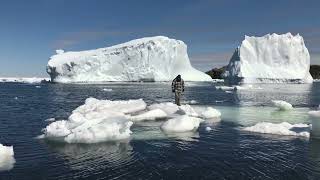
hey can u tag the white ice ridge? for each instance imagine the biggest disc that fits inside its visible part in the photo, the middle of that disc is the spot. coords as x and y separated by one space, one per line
285 129
148 59
282 105
23 79
272 58
96 121
6 158
150 115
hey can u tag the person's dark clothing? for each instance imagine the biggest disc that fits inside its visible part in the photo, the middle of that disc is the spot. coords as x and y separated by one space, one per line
177 87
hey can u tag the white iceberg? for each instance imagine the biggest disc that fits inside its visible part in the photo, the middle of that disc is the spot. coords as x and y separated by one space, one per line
6 158
315 120
282 105
181 124
272 58
285 129
96 121
148 59
210 113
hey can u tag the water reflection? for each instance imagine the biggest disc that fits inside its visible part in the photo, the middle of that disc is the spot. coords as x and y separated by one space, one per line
87 156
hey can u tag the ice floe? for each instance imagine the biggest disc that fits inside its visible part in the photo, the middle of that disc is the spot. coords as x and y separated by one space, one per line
6 158
282 105
210 113
106 120
96 121
180 124
106 90
284 128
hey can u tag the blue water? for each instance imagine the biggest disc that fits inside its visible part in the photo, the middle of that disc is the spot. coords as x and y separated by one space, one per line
226 152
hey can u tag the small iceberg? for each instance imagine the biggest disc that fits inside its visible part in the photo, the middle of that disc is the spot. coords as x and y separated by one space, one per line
181 124
6 158
282 105
95 121
210 113
285 129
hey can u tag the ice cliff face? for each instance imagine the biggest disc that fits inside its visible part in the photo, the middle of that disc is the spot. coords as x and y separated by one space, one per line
147 59
270 59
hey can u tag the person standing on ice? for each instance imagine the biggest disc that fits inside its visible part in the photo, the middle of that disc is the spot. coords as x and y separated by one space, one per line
177 87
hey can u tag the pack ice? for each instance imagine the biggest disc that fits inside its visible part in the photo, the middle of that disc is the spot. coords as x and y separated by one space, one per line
272 58
148 59
106 120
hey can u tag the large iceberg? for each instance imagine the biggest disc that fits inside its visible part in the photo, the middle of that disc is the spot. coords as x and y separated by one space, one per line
148 59
272 58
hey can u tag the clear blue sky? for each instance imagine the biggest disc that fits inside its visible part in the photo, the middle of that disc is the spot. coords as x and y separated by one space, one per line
30 31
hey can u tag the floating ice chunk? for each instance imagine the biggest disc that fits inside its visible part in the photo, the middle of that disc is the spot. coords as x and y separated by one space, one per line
315 120
315 114
282 105
188 110
284 128
6 158
181 124
167 107
208 128
16 98
38 86
106 90
210 113
96 121
150 115
247 87
50 120
225 88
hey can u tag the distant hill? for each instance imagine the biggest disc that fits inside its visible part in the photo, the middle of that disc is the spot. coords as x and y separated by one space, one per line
315 71
216 73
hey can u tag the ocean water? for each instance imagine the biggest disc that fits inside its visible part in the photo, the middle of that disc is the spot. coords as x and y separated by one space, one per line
226 152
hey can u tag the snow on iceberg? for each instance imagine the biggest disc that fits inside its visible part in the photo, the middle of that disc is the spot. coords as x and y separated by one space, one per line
285 129
181 124
148 59
150 115
96 121
168 107
272 58
282 105
6 158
